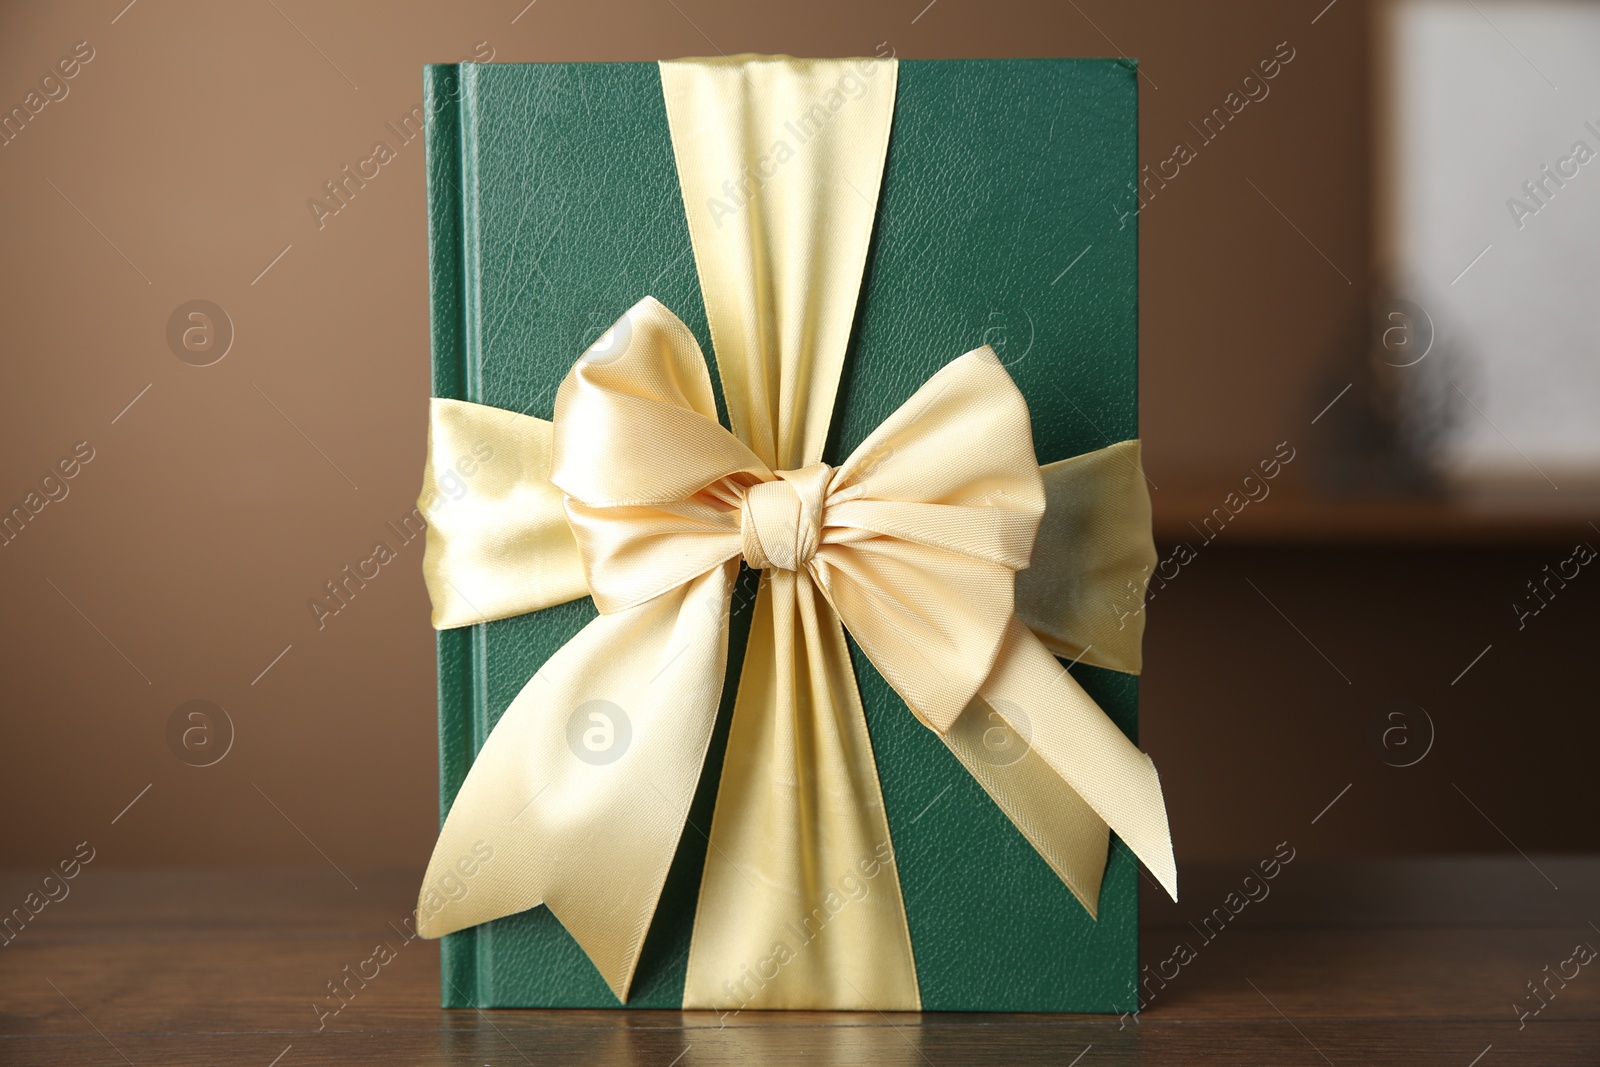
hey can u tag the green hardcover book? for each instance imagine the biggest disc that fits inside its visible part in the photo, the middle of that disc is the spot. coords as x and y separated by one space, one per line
1006 217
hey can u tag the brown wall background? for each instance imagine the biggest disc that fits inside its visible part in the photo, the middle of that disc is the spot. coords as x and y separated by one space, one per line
180 564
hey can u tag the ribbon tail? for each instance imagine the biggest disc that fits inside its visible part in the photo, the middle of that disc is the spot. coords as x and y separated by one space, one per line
1046 706
579 796
1058 823
800 904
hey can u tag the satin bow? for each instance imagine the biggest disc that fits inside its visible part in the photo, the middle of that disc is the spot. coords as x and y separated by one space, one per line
914 542
944 496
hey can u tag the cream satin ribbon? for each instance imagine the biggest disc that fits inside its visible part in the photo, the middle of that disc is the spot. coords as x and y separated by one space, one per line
638 496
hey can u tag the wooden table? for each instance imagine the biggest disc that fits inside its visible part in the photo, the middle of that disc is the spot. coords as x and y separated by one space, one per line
1417 962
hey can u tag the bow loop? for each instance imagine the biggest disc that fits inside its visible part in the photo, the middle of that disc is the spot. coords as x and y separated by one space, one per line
971 416
643 383
946 494
647 518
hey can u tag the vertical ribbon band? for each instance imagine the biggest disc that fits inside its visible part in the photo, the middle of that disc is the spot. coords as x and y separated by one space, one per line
780 162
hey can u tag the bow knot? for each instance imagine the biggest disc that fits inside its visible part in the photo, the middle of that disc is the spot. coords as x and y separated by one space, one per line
780 522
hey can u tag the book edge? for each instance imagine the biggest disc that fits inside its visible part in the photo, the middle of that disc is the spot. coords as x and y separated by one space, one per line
458 965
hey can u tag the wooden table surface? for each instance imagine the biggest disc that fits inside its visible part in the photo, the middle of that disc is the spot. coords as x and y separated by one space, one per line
1416 962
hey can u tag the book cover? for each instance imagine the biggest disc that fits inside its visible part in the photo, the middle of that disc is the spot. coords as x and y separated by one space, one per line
1007 217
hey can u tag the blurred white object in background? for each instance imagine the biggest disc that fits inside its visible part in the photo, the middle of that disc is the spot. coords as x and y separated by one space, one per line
1489 218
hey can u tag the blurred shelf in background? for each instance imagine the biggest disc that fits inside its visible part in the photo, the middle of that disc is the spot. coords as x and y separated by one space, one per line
1501 515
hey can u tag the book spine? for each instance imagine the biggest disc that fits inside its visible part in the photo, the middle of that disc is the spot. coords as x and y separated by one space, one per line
447 308
1129 961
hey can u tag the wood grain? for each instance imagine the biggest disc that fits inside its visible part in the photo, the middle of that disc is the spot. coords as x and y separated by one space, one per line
1414 962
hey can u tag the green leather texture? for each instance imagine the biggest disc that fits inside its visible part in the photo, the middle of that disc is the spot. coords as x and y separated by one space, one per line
554 206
